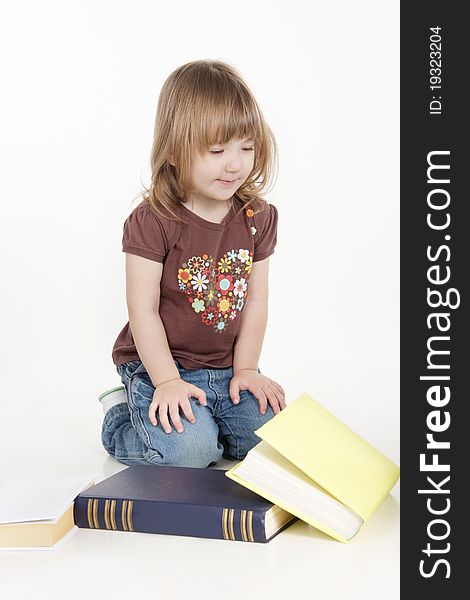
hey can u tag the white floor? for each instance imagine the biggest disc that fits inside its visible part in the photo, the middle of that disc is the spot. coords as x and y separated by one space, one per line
45 435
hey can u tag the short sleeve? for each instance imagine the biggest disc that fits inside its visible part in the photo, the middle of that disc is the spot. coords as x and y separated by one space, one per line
266 233
148 235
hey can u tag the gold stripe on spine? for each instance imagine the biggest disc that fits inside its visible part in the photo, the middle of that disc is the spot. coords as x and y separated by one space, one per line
232 534
123 515
113 514
95 513
89 513
243 526
130 507
106 514
224 523
250 526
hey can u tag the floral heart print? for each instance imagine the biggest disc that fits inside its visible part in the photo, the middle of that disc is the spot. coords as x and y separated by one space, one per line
217 288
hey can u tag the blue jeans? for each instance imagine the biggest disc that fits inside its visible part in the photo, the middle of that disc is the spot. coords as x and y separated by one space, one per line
221 428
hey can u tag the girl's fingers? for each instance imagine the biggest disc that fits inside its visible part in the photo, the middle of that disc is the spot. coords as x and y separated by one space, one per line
280 397
187 410
162 412
263 402
276 401
175 418
152 414
199 394
273 402
278 387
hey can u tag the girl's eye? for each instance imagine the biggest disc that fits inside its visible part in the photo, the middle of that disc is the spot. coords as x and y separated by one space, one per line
220 151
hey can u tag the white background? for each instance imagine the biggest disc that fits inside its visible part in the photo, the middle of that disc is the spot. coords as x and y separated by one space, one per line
80 84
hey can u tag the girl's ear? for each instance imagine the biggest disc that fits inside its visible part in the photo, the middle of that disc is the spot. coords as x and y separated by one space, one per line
171 160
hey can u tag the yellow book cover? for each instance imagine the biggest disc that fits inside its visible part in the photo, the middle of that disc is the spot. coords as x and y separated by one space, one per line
308 442
36 533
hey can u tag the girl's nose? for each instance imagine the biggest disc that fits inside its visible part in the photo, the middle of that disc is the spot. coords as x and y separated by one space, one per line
233 164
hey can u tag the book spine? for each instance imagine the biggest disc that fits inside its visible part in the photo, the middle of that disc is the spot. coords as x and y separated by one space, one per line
170 519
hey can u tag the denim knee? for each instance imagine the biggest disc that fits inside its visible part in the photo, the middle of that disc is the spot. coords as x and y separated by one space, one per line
119 438
239 423
195 447
115 417
191 448
245 444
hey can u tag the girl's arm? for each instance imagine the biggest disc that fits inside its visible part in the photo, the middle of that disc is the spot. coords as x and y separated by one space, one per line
248 343
171 393
254 317
143 278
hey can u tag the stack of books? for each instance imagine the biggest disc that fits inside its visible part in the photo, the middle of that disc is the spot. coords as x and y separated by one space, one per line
309 465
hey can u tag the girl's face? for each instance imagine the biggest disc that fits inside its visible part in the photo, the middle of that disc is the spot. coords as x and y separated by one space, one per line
217 174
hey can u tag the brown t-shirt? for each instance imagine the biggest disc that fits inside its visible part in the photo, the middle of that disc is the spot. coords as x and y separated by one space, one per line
205 279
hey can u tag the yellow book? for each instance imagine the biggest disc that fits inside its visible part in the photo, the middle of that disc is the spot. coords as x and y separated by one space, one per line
36 533
36 512
315 467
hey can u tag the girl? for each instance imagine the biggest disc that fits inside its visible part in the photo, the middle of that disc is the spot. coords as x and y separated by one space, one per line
197 251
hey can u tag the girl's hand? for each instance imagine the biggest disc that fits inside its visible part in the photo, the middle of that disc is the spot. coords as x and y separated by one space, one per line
264 389
168 398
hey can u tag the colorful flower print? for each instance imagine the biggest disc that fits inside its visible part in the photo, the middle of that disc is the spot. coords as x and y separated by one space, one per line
210 315
240 286
243 255
195 264
217 288
224 305
199 282
198 305
184 275
220 326
211 296
225 265
224 284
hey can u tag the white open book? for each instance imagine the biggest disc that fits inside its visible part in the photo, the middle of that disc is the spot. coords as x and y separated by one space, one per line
36 513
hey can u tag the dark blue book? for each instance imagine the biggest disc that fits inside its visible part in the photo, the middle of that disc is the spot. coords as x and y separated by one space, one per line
179 501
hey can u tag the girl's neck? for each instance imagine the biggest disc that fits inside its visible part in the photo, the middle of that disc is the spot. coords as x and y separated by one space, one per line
212 210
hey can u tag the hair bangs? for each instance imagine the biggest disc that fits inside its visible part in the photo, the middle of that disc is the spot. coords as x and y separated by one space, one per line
232 116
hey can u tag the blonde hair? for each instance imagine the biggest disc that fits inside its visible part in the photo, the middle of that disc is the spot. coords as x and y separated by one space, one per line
201 103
